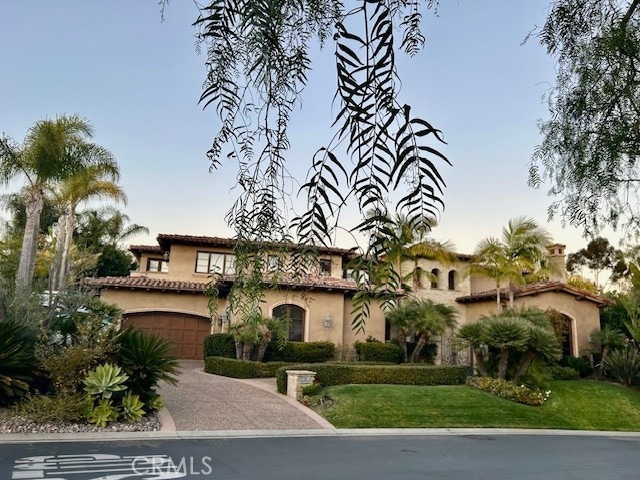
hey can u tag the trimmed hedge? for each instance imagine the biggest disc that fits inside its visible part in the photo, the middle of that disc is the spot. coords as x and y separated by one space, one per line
328 374
301 352
219 345
230 367
379 352
563 373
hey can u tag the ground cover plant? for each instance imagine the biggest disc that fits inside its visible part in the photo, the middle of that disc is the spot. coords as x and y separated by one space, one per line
579 405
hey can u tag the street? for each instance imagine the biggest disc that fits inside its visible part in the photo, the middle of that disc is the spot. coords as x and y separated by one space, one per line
329 457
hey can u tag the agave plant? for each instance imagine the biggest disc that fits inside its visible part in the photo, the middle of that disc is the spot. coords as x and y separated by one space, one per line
132 407
103 413
147 360
105 380
17 361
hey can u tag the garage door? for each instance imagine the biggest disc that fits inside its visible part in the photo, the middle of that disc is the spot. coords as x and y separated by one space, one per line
186 332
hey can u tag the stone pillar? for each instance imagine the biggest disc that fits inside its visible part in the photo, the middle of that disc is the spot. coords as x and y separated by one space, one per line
558 267
296 380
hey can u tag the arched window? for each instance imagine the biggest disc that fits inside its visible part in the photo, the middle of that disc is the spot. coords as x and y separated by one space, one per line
296 316
453 279
435 278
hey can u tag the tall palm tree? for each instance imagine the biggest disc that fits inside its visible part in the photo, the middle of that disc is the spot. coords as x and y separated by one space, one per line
522 250
409 241
95 181
51 152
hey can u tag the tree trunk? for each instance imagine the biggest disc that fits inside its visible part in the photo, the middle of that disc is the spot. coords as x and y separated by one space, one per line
69 226
422 341
510 295
528 358
480 365
605 350
54 272
238 350
402 338
498 309
262 348
503 363
247 348
26 267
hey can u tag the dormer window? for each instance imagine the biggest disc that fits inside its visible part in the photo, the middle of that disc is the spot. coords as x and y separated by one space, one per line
157 265
212 262
325 266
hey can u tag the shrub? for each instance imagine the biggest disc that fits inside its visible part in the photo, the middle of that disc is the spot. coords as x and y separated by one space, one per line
59 408
17 360
230 367
509 390
623 365
147 360
580 364
563 373
328 374
300 352
311 390
379 352
68 367
219 345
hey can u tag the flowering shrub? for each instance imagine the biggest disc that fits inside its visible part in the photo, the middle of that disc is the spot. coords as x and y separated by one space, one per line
509 390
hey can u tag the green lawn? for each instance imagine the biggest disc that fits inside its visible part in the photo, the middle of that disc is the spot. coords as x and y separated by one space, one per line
575 405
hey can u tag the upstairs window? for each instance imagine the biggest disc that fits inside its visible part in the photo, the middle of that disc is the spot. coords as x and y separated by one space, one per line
210 262
453 280
157 265
273 263
325 266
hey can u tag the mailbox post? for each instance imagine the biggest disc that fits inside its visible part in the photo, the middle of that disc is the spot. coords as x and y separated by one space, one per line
296 380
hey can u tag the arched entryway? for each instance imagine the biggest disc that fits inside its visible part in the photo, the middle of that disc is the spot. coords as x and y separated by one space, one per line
563 326
187 332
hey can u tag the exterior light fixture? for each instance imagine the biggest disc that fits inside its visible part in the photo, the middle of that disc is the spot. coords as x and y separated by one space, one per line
165 256
223 318
327 321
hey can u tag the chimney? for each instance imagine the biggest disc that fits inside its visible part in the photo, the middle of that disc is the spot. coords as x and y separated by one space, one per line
557 266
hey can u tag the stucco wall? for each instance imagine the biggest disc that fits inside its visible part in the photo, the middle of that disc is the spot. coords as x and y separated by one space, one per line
585 315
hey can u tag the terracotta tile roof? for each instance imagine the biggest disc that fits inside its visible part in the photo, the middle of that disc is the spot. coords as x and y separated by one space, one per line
310 282
537 289
137 250
165 240
144 283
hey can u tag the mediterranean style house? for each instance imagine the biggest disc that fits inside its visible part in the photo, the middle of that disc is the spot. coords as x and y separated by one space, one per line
166 295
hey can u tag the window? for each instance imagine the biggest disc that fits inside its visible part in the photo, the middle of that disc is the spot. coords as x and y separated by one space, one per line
325 266
209 262
453 280
296 316
157 265
273 263
435 278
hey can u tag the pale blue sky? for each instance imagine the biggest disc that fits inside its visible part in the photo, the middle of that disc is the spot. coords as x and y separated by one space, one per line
138 80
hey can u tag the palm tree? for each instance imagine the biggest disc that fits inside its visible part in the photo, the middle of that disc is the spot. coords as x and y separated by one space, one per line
423 318
522 250
107 226
51 152
435 318
96 181
605 340
408 241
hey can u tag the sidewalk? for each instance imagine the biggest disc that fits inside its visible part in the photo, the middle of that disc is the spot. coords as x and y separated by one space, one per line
205 402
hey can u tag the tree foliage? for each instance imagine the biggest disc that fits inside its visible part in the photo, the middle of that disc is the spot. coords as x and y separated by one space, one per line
598 256
257 65
591 142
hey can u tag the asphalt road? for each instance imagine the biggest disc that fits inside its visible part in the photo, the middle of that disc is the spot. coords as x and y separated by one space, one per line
329 457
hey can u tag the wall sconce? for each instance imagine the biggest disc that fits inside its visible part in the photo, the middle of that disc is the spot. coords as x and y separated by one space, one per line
327 321
165 256
223 318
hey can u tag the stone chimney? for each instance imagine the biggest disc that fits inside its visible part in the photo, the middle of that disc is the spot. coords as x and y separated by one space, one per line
557 265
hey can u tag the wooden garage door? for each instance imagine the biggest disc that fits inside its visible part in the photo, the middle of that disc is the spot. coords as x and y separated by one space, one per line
187 332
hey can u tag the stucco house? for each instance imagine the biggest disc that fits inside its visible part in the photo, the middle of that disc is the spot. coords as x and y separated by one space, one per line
166 295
